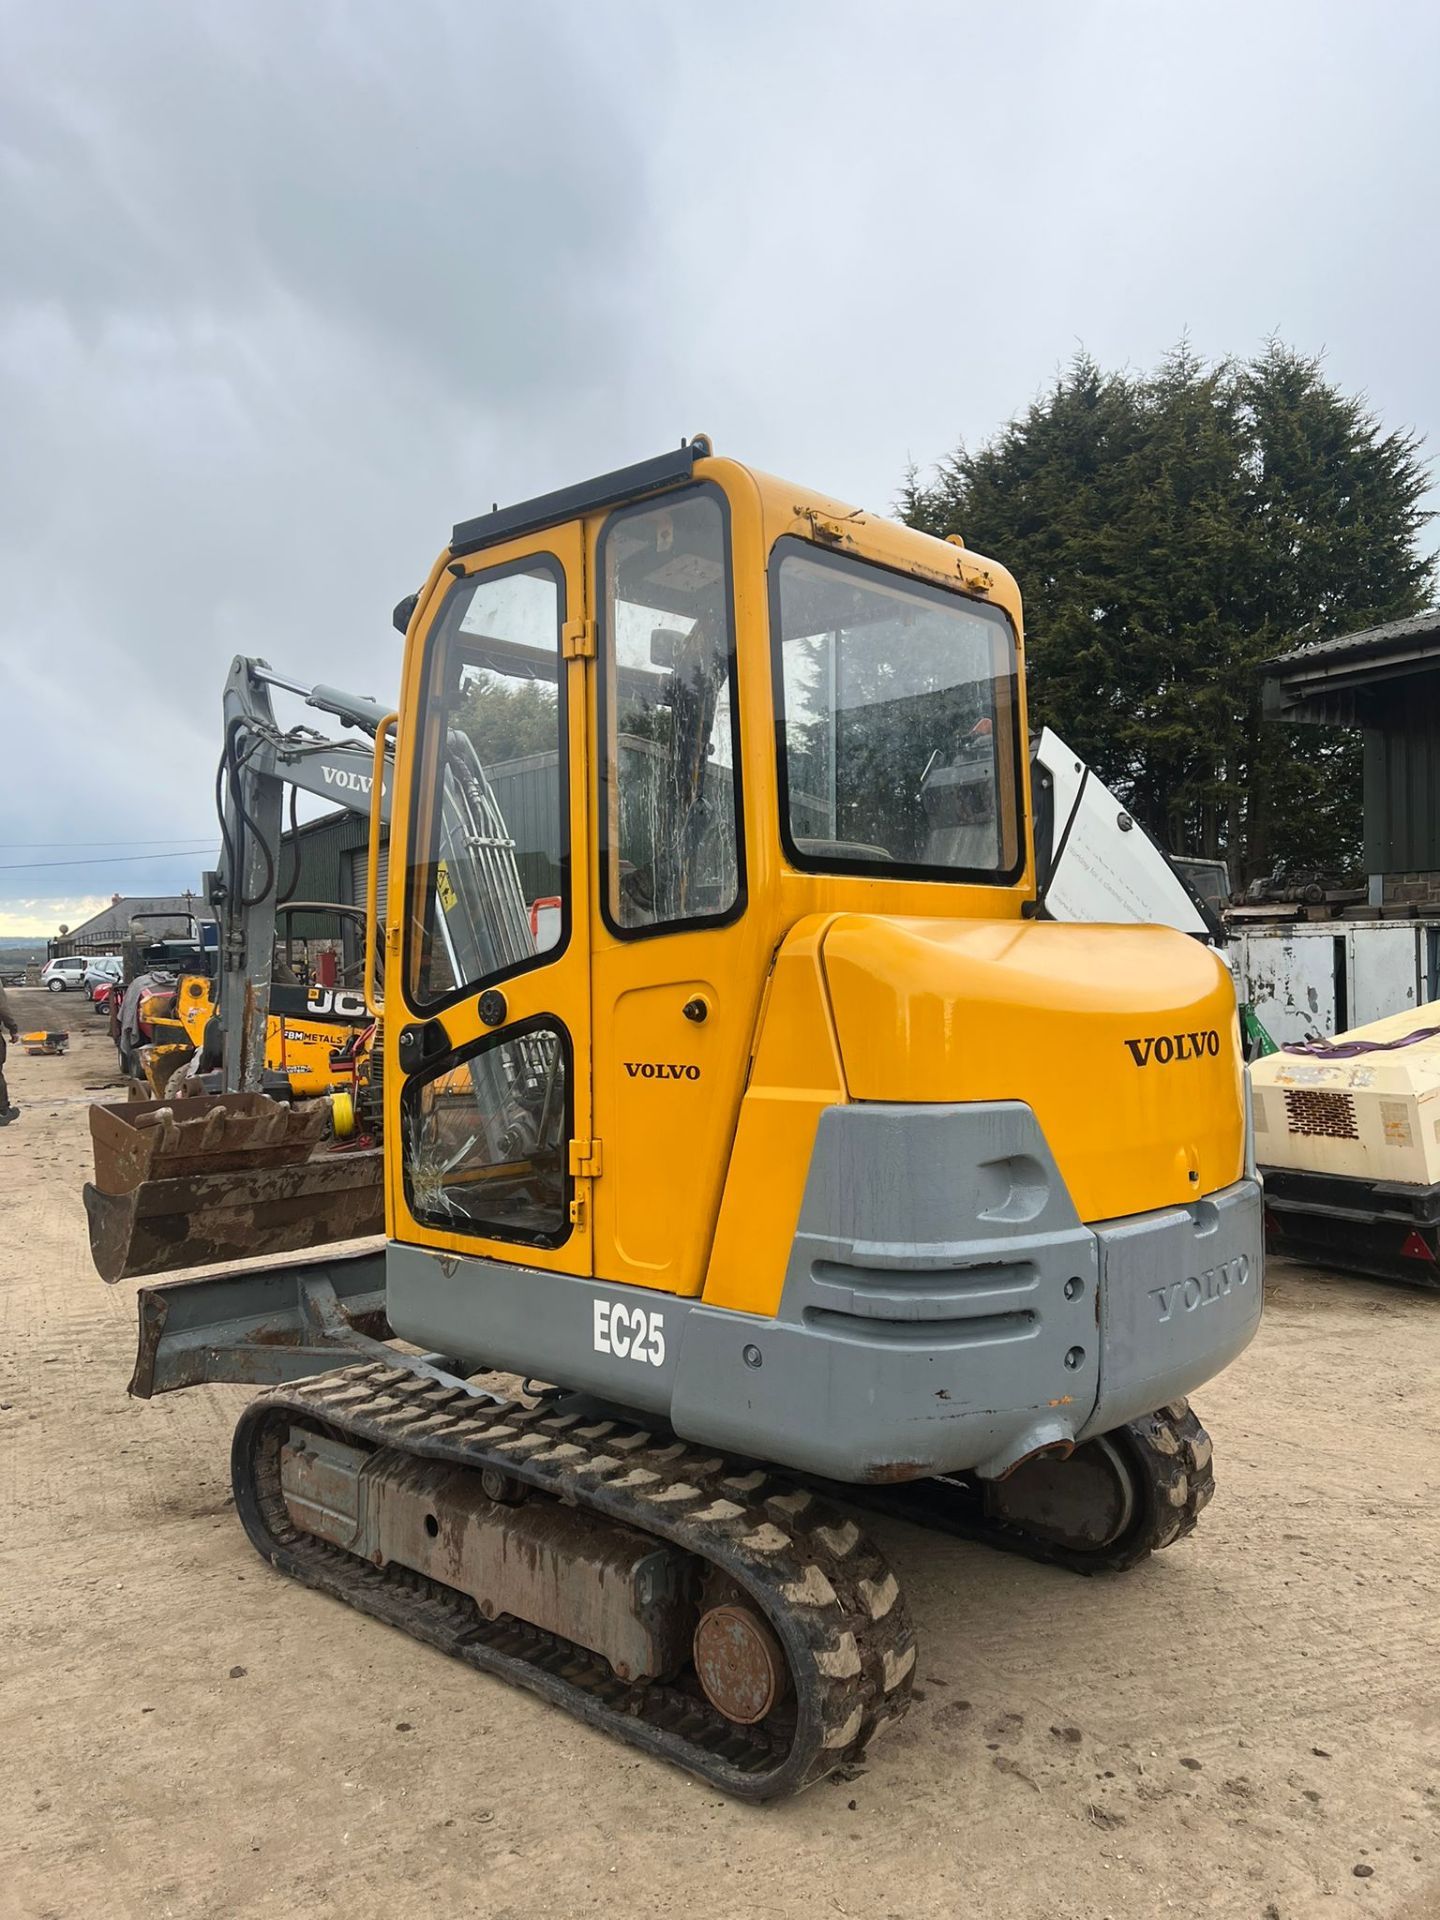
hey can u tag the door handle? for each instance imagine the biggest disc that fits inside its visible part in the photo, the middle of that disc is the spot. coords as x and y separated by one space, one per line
422 1042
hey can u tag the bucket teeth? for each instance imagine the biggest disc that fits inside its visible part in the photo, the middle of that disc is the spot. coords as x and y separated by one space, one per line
186 1183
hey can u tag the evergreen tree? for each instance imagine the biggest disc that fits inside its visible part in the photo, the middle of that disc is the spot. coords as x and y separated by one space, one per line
1169 533
508 718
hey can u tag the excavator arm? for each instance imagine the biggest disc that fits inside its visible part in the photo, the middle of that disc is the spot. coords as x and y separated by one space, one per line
258 761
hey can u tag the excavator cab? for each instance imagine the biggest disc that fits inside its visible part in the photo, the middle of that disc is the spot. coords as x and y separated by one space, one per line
652 807
789 1129
738 1083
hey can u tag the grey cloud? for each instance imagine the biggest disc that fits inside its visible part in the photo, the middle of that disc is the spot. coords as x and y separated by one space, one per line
277 284
284 290
446 184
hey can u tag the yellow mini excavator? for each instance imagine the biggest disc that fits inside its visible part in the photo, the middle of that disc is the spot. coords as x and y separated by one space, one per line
742 1080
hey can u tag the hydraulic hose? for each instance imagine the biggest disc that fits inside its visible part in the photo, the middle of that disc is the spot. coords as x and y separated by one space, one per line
232 764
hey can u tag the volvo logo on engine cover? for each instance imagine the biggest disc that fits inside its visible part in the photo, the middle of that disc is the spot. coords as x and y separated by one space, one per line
1199 1289
660 1070
1165 1047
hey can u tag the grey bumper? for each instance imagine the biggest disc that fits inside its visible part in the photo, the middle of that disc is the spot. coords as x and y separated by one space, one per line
1181 1291
944 1309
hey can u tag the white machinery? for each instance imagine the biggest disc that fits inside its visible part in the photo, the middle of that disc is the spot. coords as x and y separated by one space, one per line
1347 1134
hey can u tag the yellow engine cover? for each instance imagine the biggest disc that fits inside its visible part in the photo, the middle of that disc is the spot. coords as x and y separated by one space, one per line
1124 1040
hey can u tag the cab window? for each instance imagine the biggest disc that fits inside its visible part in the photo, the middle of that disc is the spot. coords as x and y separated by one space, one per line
898 707
487 881
486 1134
670 810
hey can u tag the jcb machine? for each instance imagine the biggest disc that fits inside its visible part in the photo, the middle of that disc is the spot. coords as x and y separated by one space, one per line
807 1158
317 1037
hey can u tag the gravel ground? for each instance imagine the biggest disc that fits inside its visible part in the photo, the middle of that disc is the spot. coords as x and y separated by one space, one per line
1245 1726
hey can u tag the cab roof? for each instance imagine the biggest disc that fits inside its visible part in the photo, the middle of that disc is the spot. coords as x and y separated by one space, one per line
586 496
902 546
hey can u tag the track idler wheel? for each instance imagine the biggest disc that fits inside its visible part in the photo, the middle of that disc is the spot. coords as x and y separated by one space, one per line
1084 1500
1113 1500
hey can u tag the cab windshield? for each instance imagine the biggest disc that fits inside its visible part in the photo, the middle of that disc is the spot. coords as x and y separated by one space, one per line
898 722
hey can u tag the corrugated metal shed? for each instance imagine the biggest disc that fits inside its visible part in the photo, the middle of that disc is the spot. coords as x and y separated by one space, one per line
321 846
331 852
1401 643
528 795
1402 778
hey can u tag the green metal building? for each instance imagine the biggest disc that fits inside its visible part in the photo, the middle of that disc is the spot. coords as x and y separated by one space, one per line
1386 681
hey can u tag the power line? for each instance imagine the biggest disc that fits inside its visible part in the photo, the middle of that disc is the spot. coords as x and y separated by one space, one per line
125 859
19 846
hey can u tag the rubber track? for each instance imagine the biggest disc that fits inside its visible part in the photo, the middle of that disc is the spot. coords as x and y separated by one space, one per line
829 1595
1171 1453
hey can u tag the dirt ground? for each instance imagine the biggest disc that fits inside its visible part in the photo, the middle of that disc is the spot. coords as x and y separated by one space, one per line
1248 1725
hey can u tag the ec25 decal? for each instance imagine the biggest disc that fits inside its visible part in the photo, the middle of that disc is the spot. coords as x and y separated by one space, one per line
633 1333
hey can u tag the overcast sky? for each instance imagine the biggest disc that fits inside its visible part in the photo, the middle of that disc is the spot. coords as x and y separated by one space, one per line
286 288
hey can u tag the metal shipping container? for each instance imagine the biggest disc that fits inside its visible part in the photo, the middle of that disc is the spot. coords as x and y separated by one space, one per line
1318 978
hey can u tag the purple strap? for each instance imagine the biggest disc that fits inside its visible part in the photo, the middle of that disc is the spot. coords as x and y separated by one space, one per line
1348 1049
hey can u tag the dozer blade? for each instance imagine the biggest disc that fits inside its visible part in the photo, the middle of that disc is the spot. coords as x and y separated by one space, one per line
186 1183
261 1325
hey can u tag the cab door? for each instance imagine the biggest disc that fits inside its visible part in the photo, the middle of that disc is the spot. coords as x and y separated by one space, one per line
487 1018
676 976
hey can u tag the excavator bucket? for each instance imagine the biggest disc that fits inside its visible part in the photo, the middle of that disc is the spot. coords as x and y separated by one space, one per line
185 1183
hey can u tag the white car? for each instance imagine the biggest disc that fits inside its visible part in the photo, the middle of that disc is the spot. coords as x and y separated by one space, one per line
68 971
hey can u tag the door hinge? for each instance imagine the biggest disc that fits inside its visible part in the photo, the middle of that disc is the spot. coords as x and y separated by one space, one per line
584 1167
584 1159
577 640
